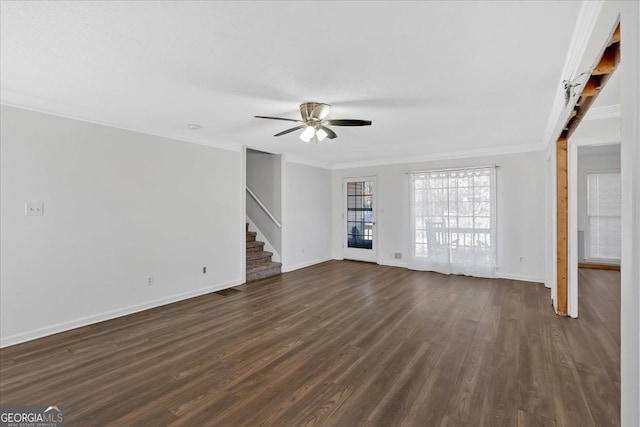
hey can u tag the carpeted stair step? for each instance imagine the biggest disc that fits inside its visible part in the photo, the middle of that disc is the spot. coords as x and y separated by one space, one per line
258 261
256 258
255 246
261 271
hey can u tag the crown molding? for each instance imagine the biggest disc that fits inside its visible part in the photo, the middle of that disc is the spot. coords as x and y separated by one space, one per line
482 152
307 162
605 112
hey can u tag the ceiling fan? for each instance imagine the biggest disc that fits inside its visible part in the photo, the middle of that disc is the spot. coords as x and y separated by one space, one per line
314 124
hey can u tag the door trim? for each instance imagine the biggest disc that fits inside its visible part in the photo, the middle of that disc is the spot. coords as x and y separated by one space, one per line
344 219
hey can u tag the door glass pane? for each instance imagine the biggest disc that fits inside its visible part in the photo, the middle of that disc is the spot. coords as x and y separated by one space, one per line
360 214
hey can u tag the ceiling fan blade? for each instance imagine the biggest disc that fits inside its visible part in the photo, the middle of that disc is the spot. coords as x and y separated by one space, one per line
320 111
348 122
284 132
330 134
278 118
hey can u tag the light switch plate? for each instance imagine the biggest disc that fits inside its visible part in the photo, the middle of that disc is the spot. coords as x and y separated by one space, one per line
33 209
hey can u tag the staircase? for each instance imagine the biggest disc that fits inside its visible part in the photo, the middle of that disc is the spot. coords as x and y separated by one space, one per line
259 264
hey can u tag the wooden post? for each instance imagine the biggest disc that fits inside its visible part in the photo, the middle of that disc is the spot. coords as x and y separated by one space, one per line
563 219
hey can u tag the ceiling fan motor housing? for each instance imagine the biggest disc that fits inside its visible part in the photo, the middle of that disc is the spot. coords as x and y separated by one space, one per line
306 109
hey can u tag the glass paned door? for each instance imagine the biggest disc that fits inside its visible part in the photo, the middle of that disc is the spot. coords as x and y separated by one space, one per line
359 215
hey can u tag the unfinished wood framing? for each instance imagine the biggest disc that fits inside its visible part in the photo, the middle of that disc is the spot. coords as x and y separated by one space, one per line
599 76
592 87
609 61
563 224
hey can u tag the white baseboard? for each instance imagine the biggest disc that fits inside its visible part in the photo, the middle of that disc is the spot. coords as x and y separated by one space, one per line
520 277
84 321
393 263
387 263
288 268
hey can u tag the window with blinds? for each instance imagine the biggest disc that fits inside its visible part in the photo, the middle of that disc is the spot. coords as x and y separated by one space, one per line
603 216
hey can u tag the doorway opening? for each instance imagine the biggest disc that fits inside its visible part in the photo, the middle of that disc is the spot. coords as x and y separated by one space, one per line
599 206
566 172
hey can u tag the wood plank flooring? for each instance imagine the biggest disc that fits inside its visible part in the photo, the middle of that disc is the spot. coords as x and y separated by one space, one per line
338 344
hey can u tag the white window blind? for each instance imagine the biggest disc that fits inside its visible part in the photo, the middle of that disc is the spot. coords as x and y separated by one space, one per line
603 215
453 221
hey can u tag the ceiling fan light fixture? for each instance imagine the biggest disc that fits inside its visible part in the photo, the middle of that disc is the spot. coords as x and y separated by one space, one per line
321 134
308 133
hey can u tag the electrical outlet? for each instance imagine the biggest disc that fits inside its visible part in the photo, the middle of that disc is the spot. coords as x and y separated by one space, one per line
33 209
521 259
149 280
397 255
204 270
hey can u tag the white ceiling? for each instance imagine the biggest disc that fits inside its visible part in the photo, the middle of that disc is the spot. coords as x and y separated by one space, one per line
436 78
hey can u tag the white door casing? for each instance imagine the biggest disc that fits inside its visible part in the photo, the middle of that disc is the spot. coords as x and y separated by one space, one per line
359 229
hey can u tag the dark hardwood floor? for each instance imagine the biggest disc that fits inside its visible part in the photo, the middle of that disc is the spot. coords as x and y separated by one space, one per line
338 344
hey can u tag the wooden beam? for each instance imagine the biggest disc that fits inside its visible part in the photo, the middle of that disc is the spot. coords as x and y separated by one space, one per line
592 87
562 196
609 60
584 103
570 125
615 38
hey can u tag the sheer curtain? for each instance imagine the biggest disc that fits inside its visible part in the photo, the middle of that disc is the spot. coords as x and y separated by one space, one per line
453 221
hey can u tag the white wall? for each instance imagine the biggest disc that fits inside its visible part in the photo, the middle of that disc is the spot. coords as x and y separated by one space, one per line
550 185
520 215
630 176
306 216
118 206
264 178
